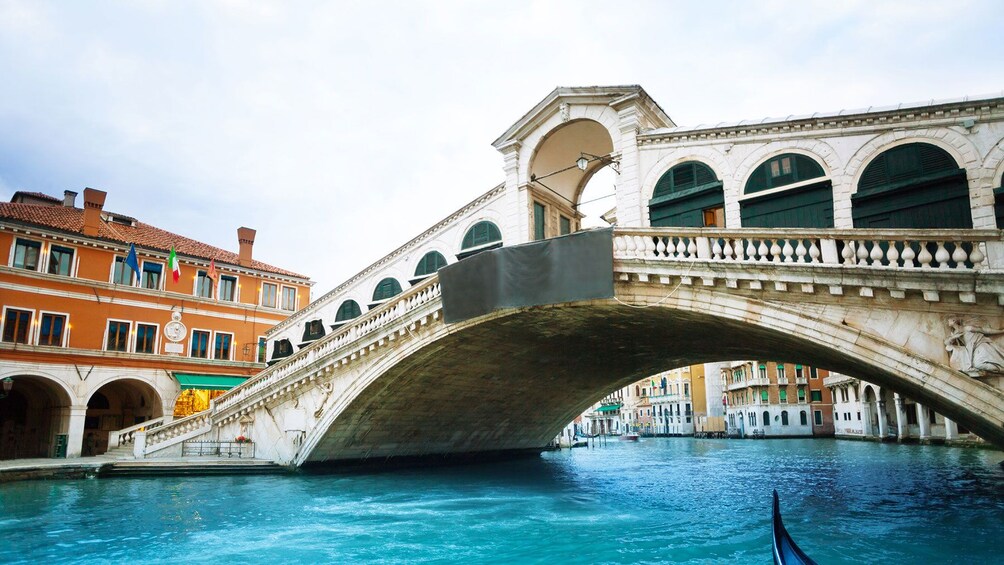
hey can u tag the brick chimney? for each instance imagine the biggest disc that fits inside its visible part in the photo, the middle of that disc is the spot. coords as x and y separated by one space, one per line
245 237
94 201
69 198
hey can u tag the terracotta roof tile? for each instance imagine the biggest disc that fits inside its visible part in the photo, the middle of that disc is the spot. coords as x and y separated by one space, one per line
37 195
66 219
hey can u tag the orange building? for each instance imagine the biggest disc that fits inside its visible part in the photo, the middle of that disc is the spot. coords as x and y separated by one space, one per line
89 345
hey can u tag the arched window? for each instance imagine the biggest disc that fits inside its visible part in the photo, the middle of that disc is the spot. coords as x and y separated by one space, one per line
281 348
688 195
766 418
312 331
999 205
347 311
803 418
808 205
784 417
482 236
385 289
917 185
429 264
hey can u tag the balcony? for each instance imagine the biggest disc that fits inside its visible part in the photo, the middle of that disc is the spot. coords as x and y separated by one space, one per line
801 380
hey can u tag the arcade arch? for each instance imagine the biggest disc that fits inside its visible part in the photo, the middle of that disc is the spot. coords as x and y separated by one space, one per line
34 417
690 194
790 190
118 404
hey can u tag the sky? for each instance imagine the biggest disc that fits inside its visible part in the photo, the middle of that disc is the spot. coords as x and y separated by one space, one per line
341 130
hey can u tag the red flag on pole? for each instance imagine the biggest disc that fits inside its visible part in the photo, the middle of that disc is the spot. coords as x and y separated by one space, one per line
212 270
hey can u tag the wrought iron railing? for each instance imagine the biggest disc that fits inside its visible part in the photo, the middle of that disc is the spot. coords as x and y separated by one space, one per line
239 449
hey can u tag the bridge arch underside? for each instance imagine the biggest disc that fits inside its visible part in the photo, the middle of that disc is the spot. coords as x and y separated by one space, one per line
510 381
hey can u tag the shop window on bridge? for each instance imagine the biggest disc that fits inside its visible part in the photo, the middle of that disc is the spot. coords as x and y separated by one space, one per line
428 265
312 331
281 348
539 221
808 203
565 225
385 290
688 195
482 236
917 185
347 311
999 205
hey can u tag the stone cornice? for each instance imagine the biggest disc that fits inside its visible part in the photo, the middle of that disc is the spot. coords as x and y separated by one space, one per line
950 113
427 234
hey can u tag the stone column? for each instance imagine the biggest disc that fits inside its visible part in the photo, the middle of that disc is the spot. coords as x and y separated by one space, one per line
882 424
951 430
75 431
629 206
901 428
515 226
713 389
924 422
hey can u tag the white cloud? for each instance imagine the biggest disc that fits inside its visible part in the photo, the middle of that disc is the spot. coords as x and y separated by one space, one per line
359 124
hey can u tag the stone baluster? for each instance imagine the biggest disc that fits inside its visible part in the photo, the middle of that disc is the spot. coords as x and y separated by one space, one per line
751 250
649 247
977 256
727 251
814 252
925 257
717 251
737 247
908 255
775 252
941 255
762 251
787 251
800 251
691 248
892 255
876 254
848 252
660 248
862 255
959 256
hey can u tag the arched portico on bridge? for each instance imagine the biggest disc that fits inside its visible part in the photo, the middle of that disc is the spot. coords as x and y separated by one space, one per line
118 404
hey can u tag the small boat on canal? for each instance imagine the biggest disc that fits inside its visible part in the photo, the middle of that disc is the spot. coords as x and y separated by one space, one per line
629 437
785 550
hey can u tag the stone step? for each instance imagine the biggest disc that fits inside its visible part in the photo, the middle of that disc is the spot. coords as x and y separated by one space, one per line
195 467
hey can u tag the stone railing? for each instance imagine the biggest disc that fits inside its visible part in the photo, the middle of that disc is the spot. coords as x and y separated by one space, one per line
126 436
162 436
276 376
290 369
887 249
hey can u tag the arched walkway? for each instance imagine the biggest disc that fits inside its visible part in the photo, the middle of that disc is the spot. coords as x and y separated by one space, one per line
34 417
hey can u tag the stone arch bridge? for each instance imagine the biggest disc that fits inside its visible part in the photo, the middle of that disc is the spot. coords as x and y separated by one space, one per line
915 312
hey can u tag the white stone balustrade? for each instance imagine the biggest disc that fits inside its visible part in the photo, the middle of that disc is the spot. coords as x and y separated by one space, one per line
283 374
126 436
887 249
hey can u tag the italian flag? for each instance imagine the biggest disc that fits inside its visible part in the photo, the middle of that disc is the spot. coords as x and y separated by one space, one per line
172 263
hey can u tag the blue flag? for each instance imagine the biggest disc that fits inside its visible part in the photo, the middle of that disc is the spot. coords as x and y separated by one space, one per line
131 259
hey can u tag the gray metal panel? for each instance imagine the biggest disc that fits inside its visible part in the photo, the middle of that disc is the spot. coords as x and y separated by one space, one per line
563 269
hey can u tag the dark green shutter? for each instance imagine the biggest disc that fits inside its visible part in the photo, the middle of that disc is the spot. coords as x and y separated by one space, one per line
387 288
808 206
538 220
430 263
918 186
347 311
802 168
481 233
682 194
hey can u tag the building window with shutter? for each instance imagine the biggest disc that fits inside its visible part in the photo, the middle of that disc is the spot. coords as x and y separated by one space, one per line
222 346
288 298
200 344
269 293
52 329
26 254
60 260
539 221
16 324
151 275
118 336
228 288
146 338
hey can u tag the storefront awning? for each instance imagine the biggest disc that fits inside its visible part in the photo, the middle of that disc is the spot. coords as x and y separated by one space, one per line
207 382
609 408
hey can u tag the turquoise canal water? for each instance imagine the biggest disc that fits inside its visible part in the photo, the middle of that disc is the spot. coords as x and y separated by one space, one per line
659 500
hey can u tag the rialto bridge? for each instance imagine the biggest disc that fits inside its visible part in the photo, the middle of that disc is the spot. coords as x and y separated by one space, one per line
863 242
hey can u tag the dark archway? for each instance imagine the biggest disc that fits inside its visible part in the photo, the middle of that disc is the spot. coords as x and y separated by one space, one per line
917 185
34 418
119 404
